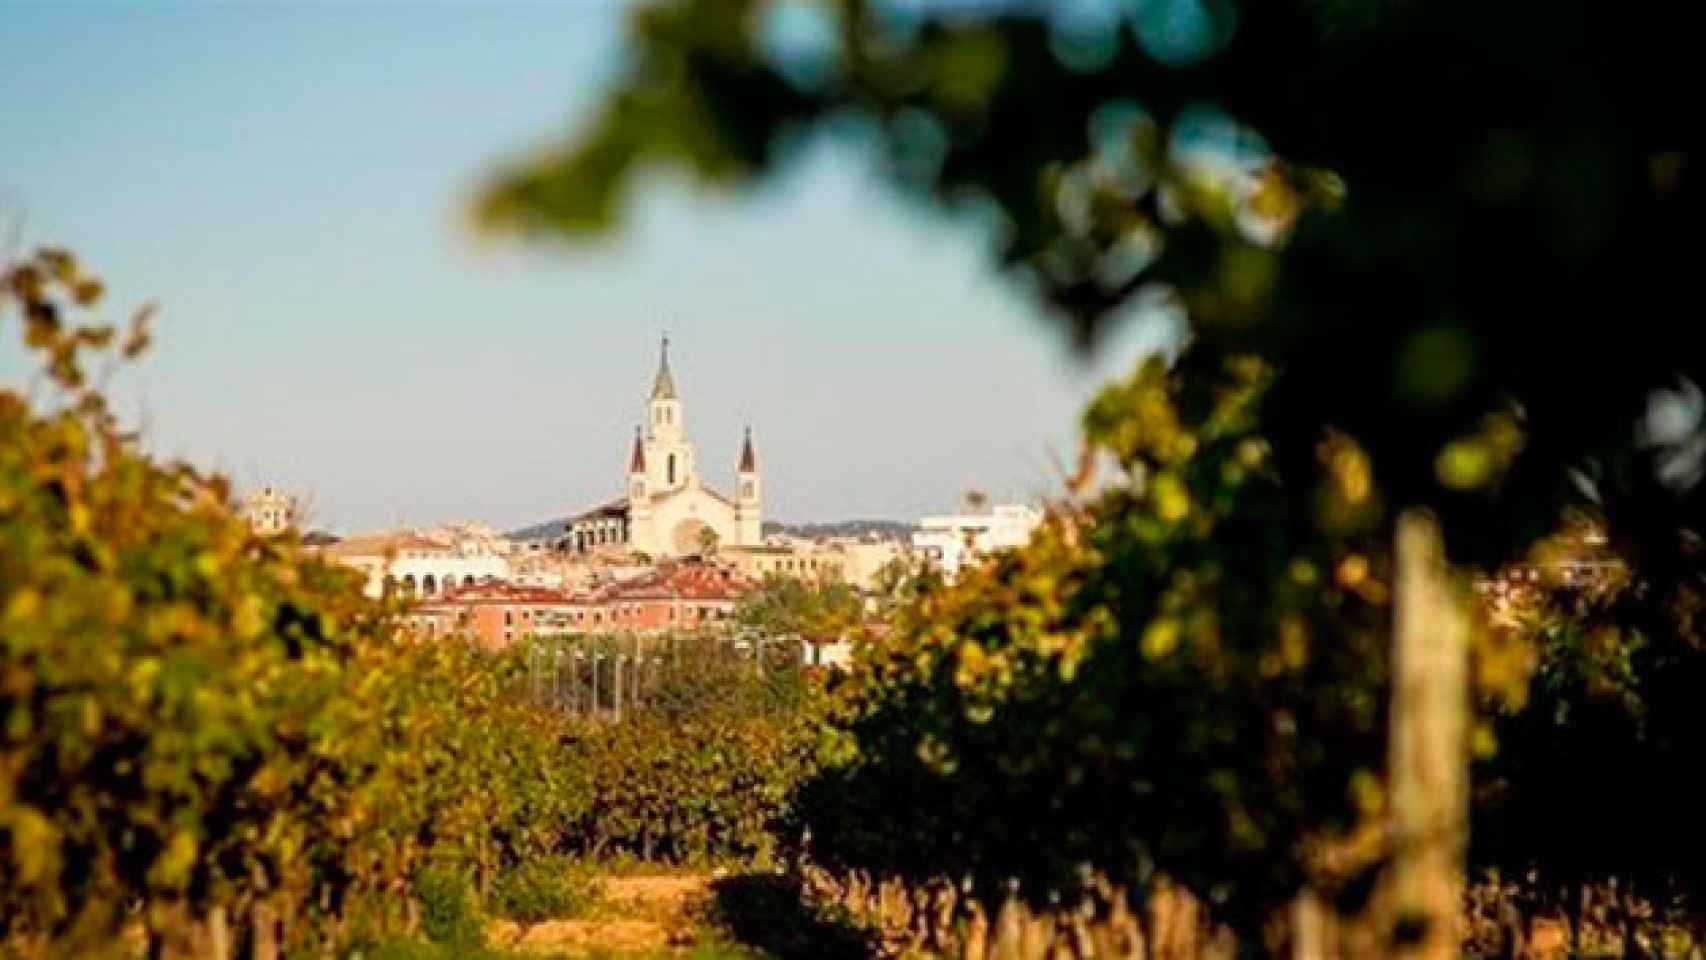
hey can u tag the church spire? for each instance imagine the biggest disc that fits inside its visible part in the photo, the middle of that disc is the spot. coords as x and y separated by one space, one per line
663 386
748 462
637 462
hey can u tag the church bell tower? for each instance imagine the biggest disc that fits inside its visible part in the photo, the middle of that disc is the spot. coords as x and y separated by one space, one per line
669 456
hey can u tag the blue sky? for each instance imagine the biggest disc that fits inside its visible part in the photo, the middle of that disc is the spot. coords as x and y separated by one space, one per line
288 182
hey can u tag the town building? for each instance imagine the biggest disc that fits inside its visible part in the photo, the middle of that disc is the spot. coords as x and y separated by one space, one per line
675 595
856 561
800 561
495 615
684 595
830 651
950 542
668 510
863 561
424 563
268 511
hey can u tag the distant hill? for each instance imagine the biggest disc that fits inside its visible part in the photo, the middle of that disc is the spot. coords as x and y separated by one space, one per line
887 529
549 530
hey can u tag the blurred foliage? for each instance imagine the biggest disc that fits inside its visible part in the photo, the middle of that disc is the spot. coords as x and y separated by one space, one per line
173 683
771 914
1607 733
1126 695
1184 677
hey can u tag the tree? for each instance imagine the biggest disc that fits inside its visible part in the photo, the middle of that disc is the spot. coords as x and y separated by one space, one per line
897 582
798 607
708 540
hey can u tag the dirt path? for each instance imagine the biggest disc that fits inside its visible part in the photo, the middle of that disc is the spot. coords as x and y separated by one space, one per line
677 895
641 915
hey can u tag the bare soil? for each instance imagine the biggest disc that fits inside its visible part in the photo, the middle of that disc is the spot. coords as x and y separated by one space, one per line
639 915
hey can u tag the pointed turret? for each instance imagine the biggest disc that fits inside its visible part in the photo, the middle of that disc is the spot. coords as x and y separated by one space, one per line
663 385
748 462
639 490
749 502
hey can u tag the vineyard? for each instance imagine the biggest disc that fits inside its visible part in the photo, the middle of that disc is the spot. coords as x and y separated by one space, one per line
1299 664
1118 741
217 747
609 675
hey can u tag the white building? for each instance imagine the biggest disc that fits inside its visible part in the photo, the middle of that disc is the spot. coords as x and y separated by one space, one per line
268 511
425 563
950 542
669 510
866 559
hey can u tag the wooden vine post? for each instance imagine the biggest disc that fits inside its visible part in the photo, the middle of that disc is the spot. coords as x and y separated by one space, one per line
1428 758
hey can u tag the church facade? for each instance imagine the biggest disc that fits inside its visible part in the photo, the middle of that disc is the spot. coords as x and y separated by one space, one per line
668 510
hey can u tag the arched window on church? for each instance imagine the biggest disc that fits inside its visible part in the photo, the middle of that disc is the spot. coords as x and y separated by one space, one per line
672 469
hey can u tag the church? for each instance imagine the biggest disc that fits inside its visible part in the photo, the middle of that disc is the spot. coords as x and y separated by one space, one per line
668 510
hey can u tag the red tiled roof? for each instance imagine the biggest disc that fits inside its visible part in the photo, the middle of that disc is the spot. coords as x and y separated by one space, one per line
496 592
680 581
693 581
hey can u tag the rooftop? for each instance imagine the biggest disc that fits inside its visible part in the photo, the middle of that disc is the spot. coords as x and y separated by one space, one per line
492 591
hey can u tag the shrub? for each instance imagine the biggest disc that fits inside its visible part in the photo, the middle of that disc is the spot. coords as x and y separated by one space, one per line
448 911
546 888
